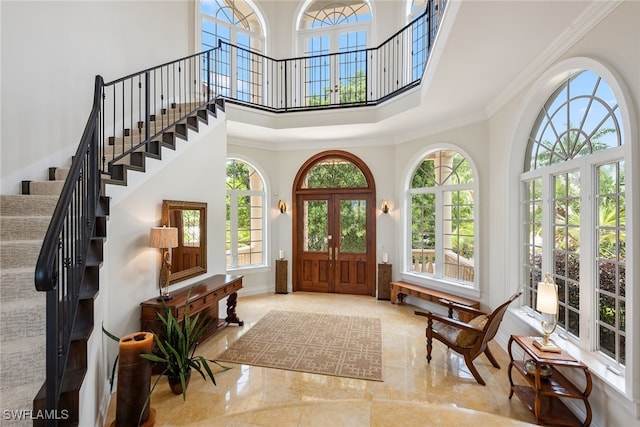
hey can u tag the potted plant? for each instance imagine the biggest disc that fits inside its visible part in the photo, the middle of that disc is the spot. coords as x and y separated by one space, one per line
176 346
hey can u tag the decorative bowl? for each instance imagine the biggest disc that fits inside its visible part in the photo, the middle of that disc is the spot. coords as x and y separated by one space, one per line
545 370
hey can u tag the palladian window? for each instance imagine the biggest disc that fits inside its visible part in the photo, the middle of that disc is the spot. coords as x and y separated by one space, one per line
234 71
574 212
333 37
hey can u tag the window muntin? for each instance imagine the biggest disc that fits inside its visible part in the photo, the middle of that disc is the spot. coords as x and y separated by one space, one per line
442 221
611 259
324 13
533 214
338 28
245 207
581 118
574 182
566 249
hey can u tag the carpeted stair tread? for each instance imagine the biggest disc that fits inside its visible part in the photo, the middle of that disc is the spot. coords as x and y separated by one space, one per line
19 253
23 227
61 174
22 362
17 284
19 397
23 319
50 188
21 204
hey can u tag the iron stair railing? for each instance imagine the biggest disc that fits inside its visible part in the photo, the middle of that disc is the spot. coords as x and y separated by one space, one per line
133 117
138 110
63 258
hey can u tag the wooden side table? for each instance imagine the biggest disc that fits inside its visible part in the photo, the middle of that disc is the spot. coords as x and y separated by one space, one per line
542 395
384 280
281 276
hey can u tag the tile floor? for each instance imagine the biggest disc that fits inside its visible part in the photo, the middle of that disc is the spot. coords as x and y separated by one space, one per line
413 393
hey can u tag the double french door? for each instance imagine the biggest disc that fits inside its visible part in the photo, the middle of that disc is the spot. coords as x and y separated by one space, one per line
335 246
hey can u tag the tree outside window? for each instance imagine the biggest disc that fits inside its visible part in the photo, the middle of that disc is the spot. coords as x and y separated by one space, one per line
442 218
574 186
245 209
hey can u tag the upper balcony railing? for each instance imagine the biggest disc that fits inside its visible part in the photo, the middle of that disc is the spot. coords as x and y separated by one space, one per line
345 79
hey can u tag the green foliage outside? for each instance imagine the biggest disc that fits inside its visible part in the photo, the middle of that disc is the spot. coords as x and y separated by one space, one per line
611 236
459 209
238 178
335 174
352 90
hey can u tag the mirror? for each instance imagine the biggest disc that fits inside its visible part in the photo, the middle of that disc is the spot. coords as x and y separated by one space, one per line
189 259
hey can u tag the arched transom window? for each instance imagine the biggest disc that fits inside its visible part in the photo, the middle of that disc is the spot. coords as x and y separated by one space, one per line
245 229
442 220
574 209
334 173
234 71
233 21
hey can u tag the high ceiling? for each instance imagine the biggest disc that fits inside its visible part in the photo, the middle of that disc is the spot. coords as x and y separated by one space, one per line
485 51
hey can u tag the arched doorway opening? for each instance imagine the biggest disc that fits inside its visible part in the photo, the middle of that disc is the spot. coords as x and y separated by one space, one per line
334 225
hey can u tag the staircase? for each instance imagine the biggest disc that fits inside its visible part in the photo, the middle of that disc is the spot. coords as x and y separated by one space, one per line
24 220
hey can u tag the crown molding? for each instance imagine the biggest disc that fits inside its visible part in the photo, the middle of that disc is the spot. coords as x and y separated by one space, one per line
592 16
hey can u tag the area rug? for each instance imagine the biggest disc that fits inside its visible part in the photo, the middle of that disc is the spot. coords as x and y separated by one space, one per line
328 344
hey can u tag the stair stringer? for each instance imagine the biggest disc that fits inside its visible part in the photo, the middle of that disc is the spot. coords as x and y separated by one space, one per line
136 178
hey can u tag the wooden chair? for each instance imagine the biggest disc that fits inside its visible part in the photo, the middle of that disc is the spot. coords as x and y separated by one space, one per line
468 339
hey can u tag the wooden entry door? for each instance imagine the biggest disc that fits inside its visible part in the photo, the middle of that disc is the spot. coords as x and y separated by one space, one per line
335 253
334 225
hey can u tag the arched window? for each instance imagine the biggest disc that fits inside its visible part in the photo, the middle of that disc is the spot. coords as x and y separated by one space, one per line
442 219
246 212
574 210
235 22
338 27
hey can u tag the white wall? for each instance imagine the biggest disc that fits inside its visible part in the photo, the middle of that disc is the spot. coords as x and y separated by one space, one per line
613 45
52 51
196 172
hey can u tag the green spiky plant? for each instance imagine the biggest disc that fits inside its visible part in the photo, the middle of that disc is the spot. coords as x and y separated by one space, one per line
176 346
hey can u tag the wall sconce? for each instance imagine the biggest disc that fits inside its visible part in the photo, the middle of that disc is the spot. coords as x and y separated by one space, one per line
164 238
384 207
547 303
282 206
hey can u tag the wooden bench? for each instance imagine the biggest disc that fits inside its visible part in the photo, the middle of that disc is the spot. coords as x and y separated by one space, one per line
400 289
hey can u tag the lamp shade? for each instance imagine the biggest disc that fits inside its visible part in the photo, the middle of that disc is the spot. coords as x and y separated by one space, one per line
163 237
547 301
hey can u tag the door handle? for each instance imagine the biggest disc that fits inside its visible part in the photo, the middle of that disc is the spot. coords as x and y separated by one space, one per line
336 254
330 253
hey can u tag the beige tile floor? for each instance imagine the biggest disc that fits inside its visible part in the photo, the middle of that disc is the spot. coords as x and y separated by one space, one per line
412 393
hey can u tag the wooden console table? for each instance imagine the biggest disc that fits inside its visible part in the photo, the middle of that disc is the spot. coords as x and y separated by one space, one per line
542 395
203 298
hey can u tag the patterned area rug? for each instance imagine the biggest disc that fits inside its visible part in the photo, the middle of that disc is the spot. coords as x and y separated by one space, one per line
328 344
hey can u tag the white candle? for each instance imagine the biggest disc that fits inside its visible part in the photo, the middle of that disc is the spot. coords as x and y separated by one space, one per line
281 254
385 257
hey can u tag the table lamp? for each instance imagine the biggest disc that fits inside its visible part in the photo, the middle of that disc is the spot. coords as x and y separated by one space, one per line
547 303
164 238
